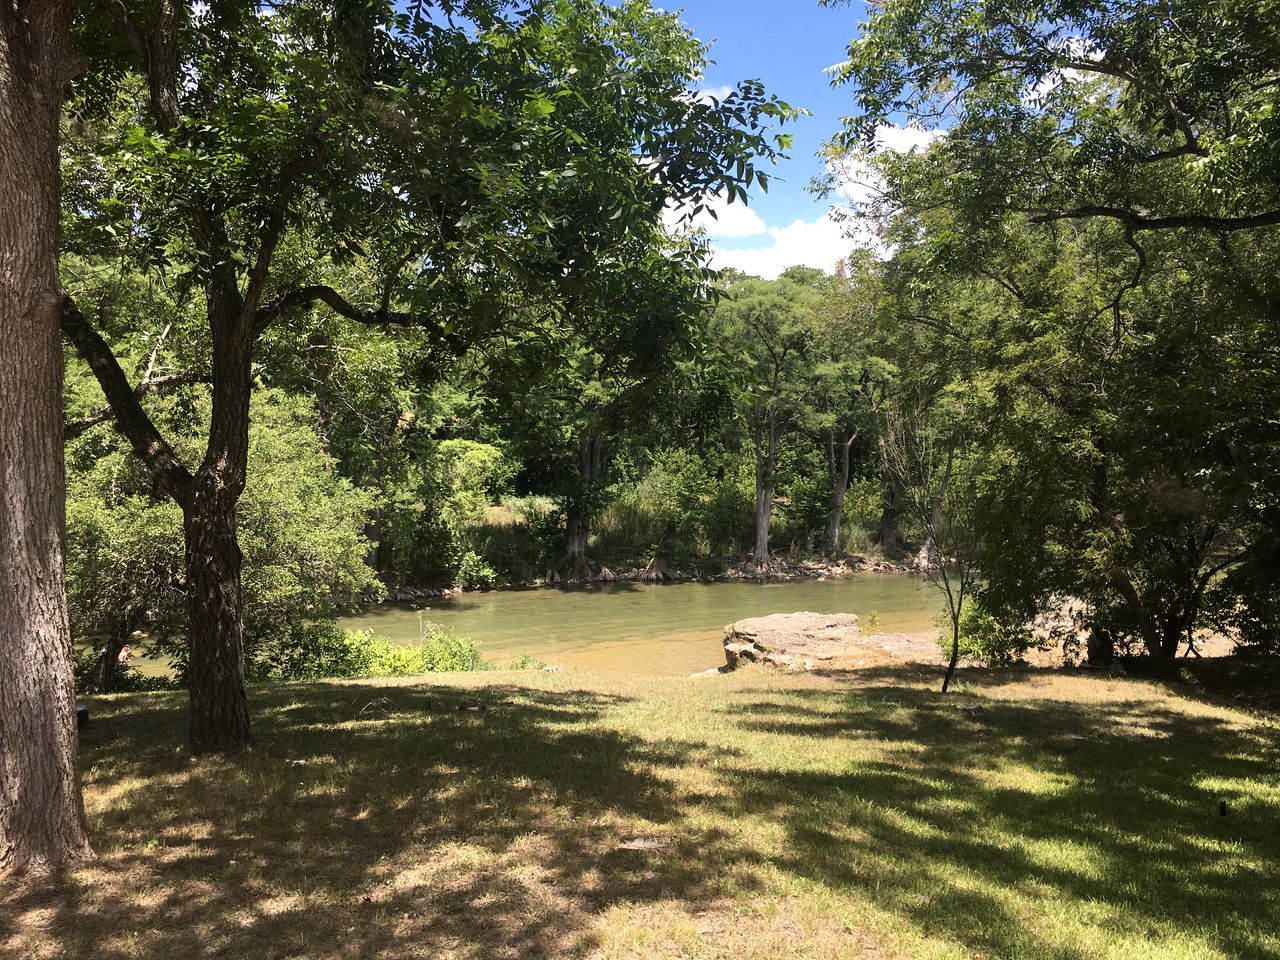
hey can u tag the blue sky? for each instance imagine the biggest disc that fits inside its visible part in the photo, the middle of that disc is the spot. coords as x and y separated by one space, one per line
788 44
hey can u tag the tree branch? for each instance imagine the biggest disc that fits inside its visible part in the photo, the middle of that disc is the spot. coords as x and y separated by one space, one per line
146 387
171 474
1138 222
321 293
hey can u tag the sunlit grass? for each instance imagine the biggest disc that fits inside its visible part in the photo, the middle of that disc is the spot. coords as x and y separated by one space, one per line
479 816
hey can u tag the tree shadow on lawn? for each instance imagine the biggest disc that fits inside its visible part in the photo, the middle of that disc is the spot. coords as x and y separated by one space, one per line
369 822
970 821
376 821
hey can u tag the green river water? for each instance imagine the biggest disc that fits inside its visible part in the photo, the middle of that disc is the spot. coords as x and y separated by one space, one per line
643 628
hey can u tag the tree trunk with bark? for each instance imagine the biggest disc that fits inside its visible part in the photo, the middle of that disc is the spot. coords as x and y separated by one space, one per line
766 453
887 537
219 715
955 655
41 812
838 448
576 566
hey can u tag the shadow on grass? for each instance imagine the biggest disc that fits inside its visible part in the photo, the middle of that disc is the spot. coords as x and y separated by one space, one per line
979 812
436 821
369 822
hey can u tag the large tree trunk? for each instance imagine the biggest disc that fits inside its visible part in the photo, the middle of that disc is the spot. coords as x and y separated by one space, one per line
41 814
838 460
215 670
219 720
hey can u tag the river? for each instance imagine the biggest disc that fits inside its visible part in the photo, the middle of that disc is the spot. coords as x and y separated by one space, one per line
643 628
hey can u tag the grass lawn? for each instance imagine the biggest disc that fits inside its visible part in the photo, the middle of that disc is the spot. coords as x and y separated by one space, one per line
484 815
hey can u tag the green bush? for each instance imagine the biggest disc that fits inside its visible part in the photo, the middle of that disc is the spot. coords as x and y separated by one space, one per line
730 512
323 651
300 530
474 572
985 640
526 662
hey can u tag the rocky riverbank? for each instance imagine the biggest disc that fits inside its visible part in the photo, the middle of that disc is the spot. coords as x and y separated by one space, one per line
657 571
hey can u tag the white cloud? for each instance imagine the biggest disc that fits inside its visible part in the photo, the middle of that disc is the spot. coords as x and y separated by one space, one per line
858 181
706 93
818 243
731 220
904 139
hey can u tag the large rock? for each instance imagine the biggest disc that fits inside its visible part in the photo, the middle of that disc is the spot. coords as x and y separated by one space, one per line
790 640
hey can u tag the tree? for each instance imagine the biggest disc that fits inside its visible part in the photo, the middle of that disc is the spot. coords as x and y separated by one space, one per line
573 389
41 814
1066 358
299 524
850 383
1068 111
926 458
467 160
764 328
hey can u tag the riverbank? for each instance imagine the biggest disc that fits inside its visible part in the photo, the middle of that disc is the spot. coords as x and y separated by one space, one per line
705 570
671 628
589 815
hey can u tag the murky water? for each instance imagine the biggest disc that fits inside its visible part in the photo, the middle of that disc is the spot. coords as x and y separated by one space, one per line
642 628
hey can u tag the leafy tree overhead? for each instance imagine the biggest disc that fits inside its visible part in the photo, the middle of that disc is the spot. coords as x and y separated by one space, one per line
475 155
1153 115
1103 181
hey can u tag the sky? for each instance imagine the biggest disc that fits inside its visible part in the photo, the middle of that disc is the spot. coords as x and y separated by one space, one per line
787 44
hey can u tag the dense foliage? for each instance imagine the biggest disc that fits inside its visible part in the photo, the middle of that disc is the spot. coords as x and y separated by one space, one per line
1070 316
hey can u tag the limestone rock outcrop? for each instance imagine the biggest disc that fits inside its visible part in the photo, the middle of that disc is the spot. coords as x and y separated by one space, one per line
791 641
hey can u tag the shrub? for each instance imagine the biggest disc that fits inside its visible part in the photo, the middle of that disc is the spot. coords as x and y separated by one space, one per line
323 651
730 513
306 652
526 662
300 533
986 640
474 572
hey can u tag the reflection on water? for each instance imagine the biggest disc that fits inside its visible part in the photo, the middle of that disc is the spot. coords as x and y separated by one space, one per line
643 628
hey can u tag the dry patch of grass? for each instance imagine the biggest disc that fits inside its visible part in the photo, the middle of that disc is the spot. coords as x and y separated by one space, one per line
752 815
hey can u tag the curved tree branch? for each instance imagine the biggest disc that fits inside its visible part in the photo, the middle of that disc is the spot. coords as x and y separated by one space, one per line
1138 222
171 474
321 293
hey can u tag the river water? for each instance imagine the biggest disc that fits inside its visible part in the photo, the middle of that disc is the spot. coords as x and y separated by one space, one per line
647 628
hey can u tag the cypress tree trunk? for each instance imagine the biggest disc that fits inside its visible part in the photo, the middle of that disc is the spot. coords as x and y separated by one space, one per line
839 463
41 814
766 450
576 565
